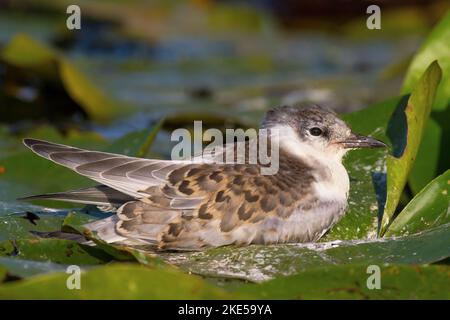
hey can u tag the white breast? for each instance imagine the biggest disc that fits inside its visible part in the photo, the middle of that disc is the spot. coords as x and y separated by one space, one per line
331 188
336 187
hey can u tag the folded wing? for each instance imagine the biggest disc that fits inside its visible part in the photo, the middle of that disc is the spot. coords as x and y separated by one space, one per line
128 175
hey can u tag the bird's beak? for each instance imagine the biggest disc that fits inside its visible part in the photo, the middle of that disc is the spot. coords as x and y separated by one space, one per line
356 141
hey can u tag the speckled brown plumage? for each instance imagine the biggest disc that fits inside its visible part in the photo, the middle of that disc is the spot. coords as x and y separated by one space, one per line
191 205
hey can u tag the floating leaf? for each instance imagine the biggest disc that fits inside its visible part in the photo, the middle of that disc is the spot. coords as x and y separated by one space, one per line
27 268
73 223
54 250
406 132
260 263
19 225
350 282
126 281
429 208
118 281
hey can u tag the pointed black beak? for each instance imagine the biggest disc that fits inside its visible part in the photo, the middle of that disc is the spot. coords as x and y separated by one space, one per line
356 141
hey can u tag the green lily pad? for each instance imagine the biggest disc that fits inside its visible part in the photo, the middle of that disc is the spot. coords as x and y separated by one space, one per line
429 208
126 281
20 225
407 128
433 157
23 171
259 263
27 254
23 268
350 282
118 281
75 223
54 250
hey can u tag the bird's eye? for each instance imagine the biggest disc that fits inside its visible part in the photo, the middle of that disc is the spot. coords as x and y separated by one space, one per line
315 131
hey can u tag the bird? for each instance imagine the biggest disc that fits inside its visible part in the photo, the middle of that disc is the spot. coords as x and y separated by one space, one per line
187 205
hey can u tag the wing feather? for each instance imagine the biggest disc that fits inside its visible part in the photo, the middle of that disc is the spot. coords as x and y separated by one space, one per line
126 174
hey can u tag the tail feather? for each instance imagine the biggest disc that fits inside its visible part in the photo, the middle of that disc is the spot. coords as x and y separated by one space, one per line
62 235
100 195
113 170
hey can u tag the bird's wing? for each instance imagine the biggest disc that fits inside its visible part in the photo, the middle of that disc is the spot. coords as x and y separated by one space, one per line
203 205
184 204
126 174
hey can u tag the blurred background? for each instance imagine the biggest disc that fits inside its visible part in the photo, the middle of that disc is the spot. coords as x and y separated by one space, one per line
226 62
137 69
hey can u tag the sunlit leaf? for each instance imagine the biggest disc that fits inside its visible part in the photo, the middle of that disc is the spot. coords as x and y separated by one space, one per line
351 282
406 131
259 262
119 281
429 208
436 47
433 157
54 250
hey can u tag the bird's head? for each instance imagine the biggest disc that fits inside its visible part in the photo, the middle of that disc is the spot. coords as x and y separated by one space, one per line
315 129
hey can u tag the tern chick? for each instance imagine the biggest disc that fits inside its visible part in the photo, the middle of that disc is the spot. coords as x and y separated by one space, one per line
191 205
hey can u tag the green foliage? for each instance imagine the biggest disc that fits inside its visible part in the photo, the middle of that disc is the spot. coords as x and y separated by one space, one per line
436 47
117 281
259 263
433 157
349 282
430 208
406 130
415 232
125 281
55 250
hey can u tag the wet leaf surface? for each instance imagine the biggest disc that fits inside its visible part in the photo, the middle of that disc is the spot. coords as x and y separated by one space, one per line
22 268
17 226
260 263
55 250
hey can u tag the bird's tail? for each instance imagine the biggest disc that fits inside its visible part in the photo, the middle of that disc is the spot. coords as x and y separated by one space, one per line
99 195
